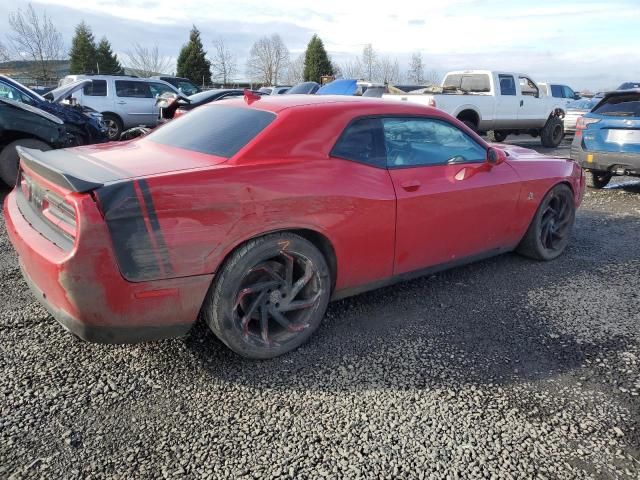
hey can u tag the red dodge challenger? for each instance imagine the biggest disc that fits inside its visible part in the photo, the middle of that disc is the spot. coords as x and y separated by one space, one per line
256 212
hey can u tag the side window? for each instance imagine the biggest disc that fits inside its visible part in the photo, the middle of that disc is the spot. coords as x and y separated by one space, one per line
507 85
159 89
527 87
97 88
11 93
128 88
556 91
362 142
427 141
568 93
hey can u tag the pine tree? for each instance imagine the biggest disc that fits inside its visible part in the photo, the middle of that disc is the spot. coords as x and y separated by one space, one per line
316 61
192 61
83 51
108 63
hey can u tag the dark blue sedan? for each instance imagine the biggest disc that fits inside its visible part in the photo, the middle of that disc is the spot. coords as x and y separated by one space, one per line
607 139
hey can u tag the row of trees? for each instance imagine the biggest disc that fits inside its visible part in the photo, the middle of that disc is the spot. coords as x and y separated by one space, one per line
34 37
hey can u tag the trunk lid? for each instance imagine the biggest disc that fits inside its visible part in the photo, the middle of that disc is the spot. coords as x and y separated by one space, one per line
86 168
613 134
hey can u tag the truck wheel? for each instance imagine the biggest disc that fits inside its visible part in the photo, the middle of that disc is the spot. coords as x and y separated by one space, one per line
470 124
114 125
497 136
597 178
269 297
552 133
550 229
9 159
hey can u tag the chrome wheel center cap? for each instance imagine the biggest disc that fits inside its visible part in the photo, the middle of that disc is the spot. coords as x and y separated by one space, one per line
275 296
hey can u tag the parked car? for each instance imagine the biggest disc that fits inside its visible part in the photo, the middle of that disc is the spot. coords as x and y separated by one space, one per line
30 120
577 109
304 88
124 101
202 98
499 103
184 85
607 139
629 85
561 92
275 90
346 86
246 211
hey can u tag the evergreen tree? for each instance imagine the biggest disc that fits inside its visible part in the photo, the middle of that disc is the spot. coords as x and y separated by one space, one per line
192 61
108 63
316 61
83 51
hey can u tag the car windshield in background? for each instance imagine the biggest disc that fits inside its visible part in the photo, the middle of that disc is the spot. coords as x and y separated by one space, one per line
477 82
629 85
198 97
620 106
582 104
215 129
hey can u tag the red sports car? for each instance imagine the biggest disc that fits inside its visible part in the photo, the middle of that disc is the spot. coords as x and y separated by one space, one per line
256 212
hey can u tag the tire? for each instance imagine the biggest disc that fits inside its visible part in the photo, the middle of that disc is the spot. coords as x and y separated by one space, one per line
114 125
597 178
551 227
9 159
552 133
256 281
497 136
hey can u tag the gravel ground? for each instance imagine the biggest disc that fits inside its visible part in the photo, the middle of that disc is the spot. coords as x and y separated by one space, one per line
507 368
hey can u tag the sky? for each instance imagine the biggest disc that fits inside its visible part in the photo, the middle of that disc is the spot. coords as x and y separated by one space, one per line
587 44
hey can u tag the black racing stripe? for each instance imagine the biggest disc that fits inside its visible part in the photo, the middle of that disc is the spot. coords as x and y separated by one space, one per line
163 252
131 242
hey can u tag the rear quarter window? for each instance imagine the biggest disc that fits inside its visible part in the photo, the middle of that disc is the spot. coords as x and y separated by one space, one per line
620 106
214 129
97 88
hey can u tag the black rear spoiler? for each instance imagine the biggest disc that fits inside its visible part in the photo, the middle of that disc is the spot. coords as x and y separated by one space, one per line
56 166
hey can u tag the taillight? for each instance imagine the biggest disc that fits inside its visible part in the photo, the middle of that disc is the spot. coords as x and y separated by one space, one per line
55 209
583 122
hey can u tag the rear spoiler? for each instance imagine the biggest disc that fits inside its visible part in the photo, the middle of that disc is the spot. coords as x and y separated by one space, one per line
55 166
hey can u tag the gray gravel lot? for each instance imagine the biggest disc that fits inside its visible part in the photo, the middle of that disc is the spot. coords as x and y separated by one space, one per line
506 367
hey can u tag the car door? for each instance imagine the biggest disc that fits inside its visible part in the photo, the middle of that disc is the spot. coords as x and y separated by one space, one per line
533 105
451 204
507 102
135 103
96 95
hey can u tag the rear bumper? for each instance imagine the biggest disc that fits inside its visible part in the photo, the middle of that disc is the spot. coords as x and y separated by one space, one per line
605 161
85 292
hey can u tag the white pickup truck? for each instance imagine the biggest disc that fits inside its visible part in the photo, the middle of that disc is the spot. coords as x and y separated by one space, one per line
498 103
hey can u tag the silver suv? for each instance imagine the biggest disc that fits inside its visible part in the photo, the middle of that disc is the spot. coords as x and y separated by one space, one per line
124 101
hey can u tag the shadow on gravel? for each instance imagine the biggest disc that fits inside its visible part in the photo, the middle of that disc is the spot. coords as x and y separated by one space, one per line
468 325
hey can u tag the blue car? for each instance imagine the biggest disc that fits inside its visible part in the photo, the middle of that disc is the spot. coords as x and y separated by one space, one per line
607 139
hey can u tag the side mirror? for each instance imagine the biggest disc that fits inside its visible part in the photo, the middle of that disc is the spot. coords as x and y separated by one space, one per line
576 96
495 156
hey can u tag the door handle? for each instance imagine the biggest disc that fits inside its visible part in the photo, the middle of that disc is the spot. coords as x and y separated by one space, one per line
122 103
411 185
521 103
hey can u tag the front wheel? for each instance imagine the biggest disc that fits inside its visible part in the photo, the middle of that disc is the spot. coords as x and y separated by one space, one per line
550 229
597 179
552 133
270 296
114 126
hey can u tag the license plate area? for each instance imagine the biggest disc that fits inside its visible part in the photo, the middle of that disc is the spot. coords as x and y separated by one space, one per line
623 137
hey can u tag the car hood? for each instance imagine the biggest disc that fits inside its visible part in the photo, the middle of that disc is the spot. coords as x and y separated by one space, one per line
60 93
86 168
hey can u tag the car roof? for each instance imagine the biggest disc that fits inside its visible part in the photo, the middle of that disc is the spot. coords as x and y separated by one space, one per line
277 103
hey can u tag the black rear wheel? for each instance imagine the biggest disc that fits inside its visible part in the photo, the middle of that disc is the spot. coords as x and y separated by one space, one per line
551 227
9 159
552 133
597 178
497 136
270 296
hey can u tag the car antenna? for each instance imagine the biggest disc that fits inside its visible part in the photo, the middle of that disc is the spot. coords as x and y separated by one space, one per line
250 96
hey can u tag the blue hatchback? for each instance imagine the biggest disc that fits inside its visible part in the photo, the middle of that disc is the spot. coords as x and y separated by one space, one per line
607 139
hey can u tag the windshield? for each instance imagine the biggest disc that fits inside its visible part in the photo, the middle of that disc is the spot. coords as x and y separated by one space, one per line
628 85
468 82
214 129
620 106
187 87
304 88
582 104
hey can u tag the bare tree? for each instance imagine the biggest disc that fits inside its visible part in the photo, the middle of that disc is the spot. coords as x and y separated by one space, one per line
145 62
369 62
415 74
351 69
268 60
432 77
295 72
34 38
4 53
388 70
223 63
